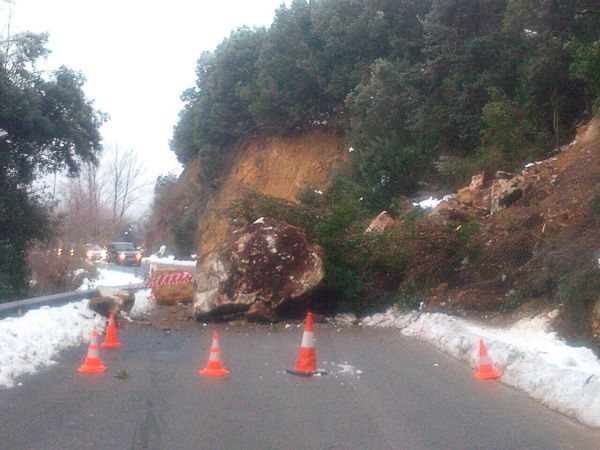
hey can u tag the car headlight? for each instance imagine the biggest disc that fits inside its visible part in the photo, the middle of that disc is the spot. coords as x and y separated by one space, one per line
121 255
89 254
103 254
138 256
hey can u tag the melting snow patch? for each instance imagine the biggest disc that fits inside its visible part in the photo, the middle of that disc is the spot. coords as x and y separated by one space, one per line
429 203
144 302
34 340
533 164
347 369
530 356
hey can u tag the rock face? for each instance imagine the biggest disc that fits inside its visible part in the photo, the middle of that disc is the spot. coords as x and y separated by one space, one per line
112 301
258 270
380 223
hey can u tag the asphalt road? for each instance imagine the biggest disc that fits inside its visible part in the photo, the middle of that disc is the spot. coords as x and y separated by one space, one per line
408 396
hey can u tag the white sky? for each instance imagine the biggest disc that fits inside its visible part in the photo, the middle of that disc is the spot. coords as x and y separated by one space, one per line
138 57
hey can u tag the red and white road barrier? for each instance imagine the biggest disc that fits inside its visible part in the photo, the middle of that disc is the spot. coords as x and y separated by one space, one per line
166 279
170 278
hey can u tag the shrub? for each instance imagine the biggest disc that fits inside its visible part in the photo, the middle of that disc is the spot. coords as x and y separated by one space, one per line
406 298
578 294
253 206
52 273
456 171
594 202
514 299
467 240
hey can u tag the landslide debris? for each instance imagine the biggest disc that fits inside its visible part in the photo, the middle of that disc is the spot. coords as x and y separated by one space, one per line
534 240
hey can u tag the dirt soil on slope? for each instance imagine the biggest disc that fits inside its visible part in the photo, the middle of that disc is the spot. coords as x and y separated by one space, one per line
541 250
277 167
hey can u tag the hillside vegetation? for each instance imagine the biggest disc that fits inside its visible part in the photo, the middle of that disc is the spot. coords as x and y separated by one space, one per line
421 88
425 94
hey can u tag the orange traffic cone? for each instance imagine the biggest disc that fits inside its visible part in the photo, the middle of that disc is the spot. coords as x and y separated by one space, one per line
486 370
214 367
307 356
92 363
111 340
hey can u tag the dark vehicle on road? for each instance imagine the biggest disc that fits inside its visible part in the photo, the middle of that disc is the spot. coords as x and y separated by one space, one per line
124 253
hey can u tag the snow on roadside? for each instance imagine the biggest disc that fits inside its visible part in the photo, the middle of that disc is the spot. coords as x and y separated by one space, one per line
530 356
144 302
35 339
169 260
110 278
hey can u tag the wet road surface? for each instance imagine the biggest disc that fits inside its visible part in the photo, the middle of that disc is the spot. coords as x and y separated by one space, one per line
383 391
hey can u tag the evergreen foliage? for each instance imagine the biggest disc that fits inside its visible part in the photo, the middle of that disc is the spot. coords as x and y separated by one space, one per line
421 89
46 124
410 82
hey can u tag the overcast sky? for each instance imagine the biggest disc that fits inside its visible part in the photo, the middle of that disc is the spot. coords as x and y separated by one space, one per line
137 56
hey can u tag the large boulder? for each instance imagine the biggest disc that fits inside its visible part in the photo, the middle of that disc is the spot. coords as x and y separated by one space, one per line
260 270
111 300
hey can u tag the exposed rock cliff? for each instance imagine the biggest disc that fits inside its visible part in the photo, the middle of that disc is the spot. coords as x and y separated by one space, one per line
278 167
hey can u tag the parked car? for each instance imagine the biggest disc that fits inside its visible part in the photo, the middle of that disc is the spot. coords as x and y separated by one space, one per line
95 253
124 253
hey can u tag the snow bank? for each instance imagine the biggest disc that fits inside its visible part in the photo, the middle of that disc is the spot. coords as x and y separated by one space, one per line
35 339
169 260
144 302
109 278
530 356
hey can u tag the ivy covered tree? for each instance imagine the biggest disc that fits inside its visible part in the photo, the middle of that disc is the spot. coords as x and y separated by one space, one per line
46 125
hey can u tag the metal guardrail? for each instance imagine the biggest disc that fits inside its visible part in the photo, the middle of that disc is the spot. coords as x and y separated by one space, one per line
19 307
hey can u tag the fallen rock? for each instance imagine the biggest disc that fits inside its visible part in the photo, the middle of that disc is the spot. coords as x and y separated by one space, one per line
481 181
258 270
477 194
112 300
501 175
465 195
505 192
451 210
380 223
